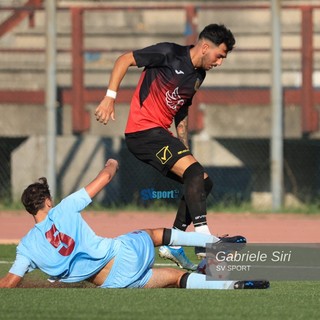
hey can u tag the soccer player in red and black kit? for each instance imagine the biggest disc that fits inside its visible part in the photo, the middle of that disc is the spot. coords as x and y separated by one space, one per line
172 75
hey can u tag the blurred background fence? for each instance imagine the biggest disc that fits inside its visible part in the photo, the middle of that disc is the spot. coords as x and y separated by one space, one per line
230 120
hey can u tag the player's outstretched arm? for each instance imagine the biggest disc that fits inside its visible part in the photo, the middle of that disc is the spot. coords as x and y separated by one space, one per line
10 281
105 109
103 178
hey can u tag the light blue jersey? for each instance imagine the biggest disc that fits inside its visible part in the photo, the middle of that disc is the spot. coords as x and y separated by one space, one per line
63 245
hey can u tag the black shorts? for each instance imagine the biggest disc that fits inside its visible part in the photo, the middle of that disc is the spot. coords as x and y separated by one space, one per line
156 147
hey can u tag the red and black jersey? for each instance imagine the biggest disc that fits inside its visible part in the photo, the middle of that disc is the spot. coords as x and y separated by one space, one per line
166 86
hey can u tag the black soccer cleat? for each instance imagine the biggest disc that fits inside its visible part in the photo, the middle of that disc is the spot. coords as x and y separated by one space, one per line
234 239
252 284
201 252
239 241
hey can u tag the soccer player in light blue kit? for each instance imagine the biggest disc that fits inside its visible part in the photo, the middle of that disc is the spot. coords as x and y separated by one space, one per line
62 245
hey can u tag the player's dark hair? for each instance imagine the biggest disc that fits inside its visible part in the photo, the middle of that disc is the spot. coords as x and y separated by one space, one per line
217 34
34 196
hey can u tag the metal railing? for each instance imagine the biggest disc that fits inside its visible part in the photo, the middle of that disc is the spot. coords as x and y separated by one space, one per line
79 95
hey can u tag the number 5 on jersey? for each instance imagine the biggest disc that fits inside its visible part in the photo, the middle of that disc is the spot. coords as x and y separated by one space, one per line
57 238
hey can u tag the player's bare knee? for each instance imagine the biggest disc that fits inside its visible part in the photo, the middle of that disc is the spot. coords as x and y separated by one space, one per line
156 236
177 278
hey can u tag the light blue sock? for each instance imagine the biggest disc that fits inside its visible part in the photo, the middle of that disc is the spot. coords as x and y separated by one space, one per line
199 281
191 239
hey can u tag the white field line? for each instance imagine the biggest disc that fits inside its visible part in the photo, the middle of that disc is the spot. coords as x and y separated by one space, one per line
165 265
156 264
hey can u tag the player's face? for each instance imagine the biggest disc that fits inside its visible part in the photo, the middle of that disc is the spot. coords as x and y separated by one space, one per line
213 55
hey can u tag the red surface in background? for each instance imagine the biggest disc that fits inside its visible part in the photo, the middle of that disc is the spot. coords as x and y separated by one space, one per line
267 228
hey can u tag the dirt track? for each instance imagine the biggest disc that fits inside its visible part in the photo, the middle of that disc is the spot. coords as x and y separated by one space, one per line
267 228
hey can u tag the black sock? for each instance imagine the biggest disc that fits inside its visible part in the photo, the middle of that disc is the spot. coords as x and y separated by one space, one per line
183 218
183 280
166 236
194 193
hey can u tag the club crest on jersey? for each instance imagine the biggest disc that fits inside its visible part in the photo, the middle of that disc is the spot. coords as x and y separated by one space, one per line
173 100
197 84
164 154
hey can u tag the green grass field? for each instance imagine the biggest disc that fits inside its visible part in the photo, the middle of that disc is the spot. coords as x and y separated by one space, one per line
284 300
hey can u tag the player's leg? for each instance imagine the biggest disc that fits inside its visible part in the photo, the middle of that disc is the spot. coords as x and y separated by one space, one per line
175 237
183 217
169 277
197 186
174 278
192 208
195 193
193 205
158 148
200 281
182 221
165 278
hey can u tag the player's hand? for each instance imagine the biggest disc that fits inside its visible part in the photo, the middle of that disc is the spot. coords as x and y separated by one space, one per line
105 110
112 162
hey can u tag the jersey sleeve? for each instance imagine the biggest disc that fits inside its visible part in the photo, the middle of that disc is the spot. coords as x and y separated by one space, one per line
76 201
181 114
21 265
153 56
